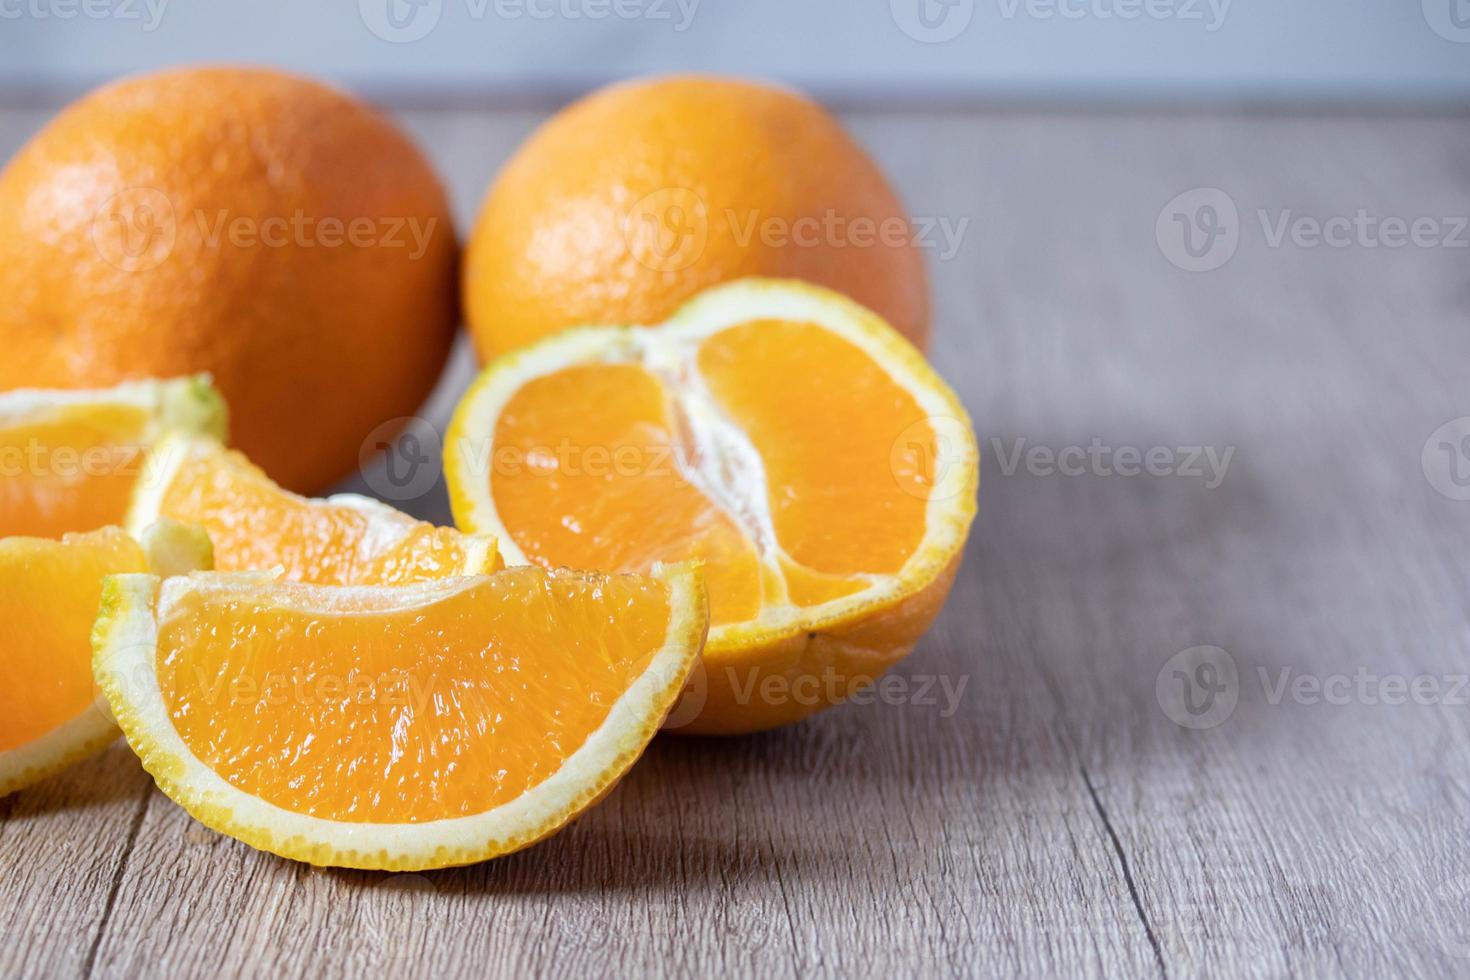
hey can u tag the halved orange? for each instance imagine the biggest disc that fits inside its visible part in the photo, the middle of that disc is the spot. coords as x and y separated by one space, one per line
69 459
777 431
50 715
255 524
405 727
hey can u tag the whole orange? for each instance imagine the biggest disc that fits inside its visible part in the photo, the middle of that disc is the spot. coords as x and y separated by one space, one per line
629 202
265 228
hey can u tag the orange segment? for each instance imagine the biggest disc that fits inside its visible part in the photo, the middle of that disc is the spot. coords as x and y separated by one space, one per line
407 727
69 460
50 715
69 470
255 524
595 467
588 474
405 715
823 416
778 432
49 591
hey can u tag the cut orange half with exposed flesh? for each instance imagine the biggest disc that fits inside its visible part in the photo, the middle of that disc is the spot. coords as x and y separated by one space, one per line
780 433
50 715
255 524
69 459
397 728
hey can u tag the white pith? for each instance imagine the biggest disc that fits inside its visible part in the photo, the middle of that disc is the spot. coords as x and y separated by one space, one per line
734 478
22 404
125 662
711 452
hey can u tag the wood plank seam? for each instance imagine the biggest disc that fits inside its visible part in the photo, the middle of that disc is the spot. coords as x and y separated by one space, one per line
1148 929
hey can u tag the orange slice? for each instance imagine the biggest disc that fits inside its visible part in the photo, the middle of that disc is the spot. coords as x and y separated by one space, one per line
69 459
342 540
398 728
49 591
780 433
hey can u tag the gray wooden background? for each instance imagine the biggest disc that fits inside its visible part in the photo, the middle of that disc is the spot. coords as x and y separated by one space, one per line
1060 821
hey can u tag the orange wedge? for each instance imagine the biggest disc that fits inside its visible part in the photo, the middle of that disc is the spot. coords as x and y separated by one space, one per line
398 728
780 433
49 591
342 540
69 459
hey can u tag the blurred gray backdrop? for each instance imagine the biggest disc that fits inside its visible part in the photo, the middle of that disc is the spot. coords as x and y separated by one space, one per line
1118 50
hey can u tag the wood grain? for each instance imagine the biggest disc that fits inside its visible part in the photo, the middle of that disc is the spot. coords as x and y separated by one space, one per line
1059 822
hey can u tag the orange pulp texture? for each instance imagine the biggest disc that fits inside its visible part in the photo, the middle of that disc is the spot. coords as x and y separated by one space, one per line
405 715
841 444
49 593
254 524
69 470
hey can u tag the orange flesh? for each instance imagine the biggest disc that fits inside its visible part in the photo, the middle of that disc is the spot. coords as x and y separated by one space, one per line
254 524
445 710
49 594
69 471
846 499
585 476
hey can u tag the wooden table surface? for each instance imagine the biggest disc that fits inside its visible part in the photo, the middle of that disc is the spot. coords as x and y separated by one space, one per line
1068 814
